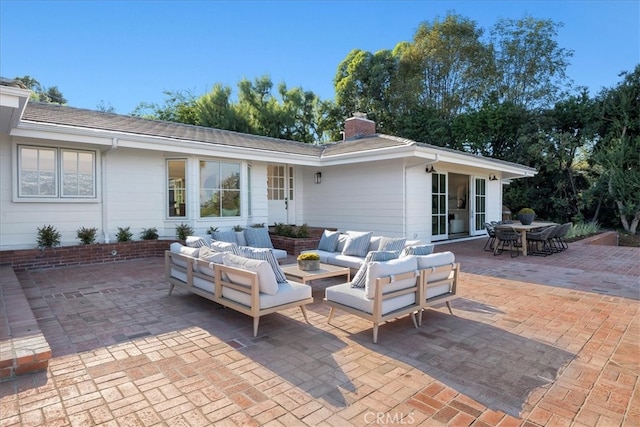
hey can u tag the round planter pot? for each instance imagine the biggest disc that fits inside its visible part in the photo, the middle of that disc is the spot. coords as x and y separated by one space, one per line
309 265
526 219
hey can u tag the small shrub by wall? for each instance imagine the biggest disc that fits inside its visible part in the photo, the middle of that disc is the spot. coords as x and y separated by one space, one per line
99 253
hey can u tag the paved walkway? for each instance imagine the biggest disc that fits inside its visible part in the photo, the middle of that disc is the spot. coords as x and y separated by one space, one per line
534 342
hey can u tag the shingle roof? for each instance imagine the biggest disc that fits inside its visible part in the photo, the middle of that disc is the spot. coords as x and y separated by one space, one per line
81 118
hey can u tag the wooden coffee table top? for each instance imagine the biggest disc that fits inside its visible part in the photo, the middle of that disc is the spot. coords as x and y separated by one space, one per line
326 270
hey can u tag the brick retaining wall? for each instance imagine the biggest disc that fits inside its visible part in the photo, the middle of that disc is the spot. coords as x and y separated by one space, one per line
608 238
99 253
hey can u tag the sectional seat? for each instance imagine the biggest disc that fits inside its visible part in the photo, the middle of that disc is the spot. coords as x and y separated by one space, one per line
247 285
338 256
397 287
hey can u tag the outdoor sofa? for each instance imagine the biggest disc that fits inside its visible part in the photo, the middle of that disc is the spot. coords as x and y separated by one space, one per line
349 249
247 285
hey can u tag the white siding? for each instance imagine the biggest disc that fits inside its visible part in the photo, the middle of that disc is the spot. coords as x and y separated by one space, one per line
362 197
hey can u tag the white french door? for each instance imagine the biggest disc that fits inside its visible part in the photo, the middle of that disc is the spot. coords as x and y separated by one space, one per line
280 194
439 208
479 207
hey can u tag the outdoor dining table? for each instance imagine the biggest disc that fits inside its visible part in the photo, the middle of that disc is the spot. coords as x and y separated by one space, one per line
522 228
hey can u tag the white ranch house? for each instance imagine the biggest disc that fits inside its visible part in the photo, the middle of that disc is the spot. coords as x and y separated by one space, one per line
73 168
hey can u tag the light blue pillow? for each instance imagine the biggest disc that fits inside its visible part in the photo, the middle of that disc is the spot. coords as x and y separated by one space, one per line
258 237
357 244
360 279
417 250
392 244
225 236
264 254
329 241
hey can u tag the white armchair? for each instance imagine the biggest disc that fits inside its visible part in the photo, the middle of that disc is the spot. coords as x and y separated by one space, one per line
393 289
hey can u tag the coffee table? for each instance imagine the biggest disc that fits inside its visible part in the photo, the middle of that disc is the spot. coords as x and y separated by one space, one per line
326 270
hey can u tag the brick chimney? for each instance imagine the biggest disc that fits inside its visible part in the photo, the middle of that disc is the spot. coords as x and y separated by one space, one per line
359 125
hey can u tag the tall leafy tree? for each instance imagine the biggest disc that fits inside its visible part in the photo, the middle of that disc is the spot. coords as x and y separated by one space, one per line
179 106
51 95
617 154
451 64
530 65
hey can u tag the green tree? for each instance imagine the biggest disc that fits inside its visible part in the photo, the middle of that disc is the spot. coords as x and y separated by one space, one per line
179 106
530 65
617 153
451 65
39 93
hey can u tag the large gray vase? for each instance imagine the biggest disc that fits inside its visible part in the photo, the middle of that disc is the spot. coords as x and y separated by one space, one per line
526 218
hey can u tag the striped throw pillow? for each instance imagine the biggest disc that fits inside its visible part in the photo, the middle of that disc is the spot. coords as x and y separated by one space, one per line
329 241
264 254
392 244
258 237
360 279
417 250
357 244
195 242
225 236
224 247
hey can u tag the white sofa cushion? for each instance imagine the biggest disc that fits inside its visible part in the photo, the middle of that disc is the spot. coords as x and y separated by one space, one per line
360 278
436 260
179 248
211 257
356 298
393 267
287 292
340 260
266 279
357 243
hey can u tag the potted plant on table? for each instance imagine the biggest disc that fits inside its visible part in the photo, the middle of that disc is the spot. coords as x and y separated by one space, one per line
309 261
526 215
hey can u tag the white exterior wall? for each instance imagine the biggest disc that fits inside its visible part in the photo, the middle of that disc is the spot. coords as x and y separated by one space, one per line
418 203
130 192
359 197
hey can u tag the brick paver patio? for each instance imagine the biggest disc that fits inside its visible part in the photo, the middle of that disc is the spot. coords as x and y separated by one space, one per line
534 342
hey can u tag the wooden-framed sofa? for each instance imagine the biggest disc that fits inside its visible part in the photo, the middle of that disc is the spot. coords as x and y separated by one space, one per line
238 288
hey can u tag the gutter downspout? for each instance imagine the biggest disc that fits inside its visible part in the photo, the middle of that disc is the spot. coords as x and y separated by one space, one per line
103 192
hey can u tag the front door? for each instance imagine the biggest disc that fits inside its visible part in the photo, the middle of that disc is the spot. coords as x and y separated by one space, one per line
438 206
479 206
280 194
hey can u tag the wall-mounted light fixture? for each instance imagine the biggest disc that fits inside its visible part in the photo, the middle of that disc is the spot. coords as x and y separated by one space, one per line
493 177
430 169
318 177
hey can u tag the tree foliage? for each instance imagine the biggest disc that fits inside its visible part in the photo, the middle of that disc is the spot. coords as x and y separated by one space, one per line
39 93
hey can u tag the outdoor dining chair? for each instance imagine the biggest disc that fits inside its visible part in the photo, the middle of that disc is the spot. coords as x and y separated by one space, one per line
488 246
506 235
540 242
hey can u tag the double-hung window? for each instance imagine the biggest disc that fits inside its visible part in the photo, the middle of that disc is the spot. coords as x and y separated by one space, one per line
219 189
45 172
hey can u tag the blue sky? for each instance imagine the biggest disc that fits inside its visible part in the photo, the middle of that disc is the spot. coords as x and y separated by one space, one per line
122 53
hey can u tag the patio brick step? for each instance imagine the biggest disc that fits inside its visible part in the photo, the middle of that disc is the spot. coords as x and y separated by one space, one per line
23 347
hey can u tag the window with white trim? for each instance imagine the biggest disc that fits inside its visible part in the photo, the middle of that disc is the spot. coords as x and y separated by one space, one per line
45 172
219 189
